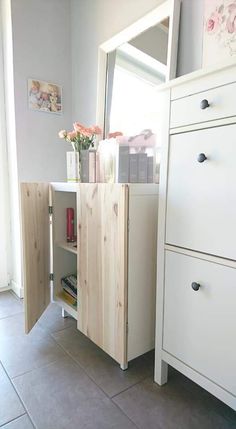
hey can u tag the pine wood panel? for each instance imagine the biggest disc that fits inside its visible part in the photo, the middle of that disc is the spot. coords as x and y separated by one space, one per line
35 239
102 260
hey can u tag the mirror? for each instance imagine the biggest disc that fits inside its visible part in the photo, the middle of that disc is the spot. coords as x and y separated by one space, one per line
131 67
134 71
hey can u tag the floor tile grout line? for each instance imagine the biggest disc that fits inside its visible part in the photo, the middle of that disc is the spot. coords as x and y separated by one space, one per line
77 364
11 315
12 420
54 332
109 397
91 378
50 334
129 387
81 367
21 401
126 415
35 369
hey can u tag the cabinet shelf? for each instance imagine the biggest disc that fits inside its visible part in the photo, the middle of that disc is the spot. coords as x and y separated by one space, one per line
67 307
70 247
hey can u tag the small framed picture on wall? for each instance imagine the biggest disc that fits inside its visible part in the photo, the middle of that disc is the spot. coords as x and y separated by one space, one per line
44 96
219 33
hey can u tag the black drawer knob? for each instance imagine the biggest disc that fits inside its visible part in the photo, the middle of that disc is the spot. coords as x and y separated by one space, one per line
201 157
204 104
195 286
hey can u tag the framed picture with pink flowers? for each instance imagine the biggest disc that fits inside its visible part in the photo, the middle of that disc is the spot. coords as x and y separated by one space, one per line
219 34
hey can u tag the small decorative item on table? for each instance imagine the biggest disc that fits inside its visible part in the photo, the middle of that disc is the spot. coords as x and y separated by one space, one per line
81 139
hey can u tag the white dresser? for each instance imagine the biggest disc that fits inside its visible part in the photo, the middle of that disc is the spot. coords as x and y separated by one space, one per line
196 292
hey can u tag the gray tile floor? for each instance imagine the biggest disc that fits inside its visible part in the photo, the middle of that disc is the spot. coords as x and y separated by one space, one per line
55 378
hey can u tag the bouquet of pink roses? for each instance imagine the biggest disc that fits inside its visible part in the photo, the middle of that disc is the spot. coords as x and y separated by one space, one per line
81 137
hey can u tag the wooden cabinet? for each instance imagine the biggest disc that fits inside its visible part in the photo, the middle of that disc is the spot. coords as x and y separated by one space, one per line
115 260
102 262
196 258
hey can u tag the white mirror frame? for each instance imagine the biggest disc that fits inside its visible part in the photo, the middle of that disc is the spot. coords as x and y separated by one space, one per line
168 9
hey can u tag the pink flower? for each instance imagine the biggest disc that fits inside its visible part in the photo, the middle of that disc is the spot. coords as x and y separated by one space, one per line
213 23
71 135
231 21
62 134
96 130
77 126
115 134
87 131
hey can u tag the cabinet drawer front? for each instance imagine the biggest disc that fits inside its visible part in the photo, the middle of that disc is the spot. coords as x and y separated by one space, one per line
200 326
188 110
201 200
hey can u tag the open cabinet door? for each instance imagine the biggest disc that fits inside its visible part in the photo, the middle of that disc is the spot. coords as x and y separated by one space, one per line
36 250
102 257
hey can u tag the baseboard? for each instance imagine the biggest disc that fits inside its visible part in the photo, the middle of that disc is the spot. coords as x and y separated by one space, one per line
4 289
17 289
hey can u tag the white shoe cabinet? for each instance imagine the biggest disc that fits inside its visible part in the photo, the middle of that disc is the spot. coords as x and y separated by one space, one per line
196 280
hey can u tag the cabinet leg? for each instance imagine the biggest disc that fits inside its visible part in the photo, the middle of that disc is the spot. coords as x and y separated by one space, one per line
124 366
64 313
161 372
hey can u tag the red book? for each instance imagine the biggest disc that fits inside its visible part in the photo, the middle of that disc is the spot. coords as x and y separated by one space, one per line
70 225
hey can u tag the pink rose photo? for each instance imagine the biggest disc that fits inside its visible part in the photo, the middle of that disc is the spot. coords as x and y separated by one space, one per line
219 33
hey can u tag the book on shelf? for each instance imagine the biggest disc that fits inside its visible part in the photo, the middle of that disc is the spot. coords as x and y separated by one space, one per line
142 167
97 168
68 298
84 153
69 286
150 169
123 163
92 166
133 168
72 160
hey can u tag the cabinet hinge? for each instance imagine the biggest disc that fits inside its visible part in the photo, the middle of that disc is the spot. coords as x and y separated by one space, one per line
127 328
50 209
51 276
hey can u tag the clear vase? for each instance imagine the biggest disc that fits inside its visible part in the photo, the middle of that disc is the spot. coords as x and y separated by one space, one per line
73 166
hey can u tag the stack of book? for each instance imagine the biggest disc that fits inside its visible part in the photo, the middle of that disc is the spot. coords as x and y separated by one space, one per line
116 162
134 167
121 163
69 289
88 166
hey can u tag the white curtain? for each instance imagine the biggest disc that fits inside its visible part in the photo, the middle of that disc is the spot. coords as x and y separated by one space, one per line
4 200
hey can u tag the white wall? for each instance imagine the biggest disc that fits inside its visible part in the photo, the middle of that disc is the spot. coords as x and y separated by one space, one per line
42 50
100 20
190 36
37 44
4 186
14 237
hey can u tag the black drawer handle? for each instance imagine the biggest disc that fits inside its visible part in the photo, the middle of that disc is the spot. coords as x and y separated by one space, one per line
204 104
201 157
195 286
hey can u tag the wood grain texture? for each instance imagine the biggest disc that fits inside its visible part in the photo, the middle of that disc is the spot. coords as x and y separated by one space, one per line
35 239
102 262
